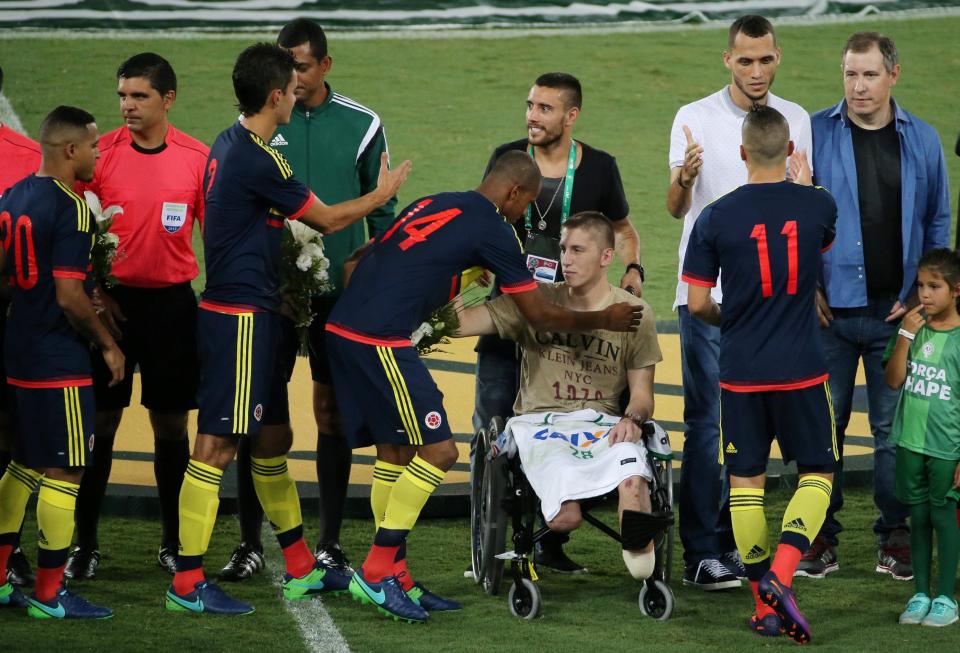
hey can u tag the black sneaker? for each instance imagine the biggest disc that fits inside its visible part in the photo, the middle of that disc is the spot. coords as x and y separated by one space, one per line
19 571
167 559
245 561
895 560
733 562
330 555
710 574
82 564
556 559
819 560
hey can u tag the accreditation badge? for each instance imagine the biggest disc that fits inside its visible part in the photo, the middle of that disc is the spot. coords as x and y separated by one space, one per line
542 268
173 216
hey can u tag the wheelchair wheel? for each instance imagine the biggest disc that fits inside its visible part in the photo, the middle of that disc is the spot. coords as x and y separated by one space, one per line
524 599
656 600
476 504
493 518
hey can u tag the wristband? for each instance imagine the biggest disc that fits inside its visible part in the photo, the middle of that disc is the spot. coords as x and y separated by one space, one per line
680 181
906 334
636 418
639 269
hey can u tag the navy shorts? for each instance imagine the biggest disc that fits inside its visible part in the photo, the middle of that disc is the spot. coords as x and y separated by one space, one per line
243 384
53 426
385 394
800 420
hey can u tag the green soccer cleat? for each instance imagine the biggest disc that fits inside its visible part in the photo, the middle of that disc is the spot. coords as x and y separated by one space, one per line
943 612
12 597
388 597
311 584
917 608
66 605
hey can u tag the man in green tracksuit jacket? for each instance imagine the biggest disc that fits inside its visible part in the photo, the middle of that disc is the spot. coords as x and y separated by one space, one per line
333 145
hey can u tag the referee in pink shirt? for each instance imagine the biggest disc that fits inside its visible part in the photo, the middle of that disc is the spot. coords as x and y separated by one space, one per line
154 172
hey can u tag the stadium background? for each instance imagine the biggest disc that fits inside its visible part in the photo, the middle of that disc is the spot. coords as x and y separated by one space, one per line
450 83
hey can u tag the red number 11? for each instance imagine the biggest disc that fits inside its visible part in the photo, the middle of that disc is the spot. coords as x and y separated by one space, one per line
763 254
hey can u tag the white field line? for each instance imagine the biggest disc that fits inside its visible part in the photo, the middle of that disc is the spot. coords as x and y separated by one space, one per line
440 32
319 631
9 117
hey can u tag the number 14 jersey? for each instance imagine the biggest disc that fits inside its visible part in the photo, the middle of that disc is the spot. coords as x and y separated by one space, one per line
765 241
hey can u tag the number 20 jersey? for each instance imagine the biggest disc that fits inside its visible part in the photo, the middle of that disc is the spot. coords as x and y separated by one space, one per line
417 265
765 241
47 232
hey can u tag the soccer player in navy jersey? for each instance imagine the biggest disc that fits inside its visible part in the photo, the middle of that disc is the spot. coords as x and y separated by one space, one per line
249 190
385 393
47 232
765 240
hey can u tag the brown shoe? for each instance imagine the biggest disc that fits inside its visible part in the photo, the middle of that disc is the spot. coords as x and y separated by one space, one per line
819 560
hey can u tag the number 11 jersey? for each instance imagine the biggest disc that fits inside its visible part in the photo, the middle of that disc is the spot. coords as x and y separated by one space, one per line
765 241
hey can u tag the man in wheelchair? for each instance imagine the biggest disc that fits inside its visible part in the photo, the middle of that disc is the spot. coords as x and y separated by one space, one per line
572 441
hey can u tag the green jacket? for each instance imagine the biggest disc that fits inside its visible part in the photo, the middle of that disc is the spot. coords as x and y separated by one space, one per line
335 150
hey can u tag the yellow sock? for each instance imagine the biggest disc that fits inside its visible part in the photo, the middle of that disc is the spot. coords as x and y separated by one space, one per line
55 508
277 492
806 511
410 493
385 475
199 499
16 486
750 528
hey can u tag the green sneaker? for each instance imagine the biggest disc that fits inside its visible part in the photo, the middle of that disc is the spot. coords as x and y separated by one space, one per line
917 608
305 587
943 612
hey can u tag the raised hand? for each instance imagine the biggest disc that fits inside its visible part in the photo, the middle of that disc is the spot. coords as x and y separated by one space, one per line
692 159
389 181
799 167
913 319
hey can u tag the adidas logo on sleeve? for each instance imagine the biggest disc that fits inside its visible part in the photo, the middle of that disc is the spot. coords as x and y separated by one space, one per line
278 141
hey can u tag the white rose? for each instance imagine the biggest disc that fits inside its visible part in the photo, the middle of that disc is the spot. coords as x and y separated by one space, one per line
321 275
313 250
301 232
110 239
304 262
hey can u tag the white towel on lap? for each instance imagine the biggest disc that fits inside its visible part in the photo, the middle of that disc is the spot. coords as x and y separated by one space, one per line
568 457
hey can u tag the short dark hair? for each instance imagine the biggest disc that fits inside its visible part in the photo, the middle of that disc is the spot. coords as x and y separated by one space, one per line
61 122
943 262
516 167
765 134
595 222
565 82
864 41
303 30
751 25
259 70
152 66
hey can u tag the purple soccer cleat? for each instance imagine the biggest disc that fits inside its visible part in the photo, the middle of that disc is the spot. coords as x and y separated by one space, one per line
782 599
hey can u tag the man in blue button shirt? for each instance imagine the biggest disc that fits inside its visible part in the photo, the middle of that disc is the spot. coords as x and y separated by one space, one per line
887 173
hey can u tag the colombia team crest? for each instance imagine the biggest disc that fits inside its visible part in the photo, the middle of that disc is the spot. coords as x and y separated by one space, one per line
433 420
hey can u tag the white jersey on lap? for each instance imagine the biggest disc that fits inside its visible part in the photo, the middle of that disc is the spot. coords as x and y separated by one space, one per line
715 123
568 457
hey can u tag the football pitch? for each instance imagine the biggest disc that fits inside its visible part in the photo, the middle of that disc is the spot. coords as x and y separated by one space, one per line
446 104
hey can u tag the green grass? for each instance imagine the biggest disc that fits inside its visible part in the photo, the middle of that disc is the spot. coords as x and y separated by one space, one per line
854 609
447 103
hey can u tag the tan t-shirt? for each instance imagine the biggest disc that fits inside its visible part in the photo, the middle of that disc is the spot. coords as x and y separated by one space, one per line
563 372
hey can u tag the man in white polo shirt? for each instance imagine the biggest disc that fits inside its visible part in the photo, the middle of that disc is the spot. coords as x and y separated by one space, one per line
705 164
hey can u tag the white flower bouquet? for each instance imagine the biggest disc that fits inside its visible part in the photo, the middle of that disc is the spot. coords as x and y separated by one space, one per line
105 244
444 322
304 273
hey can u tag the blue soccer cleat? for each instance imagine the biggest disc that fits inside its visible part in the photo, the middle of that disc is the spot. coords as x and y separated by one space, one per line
66 605
782 599
388 597
766 626
319 580
336 579
12 597
206 597
430 601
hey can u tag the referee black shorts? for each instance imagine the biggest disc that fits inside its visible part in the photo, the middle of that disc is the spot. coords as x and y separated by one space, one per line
319 356
159 337
800 420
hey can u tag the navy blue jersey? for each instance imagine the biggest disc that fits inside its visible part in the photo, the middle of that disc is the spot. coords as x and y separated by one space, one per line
249 190
417 265
765 241
47 232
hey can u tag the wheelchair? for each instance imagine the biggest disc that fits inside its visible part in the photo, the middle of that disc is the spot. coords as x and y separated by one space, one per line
501 495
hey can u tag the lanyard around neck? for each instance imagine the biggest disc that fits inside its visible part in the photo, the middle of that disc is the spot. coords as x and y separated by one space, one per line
567 187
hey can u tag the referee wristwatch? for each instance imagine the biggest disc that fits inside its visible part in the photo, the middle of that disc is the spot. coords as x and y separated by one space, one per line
639 269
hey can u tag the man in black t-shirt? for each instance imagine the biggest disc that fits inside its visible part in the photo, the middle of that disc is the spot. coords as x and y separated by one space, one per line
576 177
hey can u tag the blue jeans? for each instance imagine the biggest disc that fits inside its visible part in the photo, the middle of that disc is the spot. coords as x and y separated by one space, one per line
857 333
705 528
